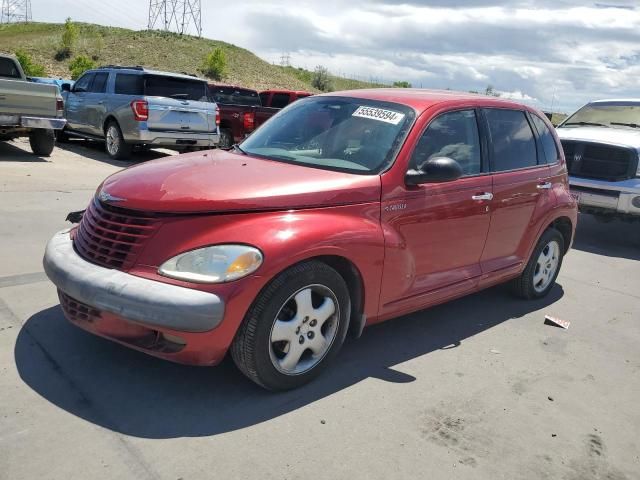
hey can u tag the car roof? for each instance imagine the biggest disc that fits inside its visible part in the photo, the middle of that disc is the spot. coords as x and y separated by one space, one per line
421 99
276 90
145 71
617 100
226 85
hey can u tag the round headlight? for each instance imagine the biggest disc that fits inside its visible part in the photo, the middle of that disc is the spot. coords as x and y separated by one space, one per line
215 264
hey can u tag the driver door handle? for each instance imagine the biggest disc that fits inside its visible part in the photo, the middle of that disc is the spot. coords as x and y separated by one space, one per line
544 186
483 196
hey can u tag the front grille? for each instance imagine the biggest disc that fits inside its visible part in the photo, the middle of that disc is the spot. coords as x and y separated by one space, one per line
604 162
113 237
76 311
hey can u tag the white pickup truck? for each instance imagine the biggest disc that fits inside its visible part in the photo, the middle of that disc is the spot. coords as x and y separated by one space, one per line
28 109
601 143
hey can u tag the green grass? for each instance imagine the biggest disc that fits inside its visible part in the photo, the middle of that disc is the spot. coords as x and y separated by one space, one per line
153 49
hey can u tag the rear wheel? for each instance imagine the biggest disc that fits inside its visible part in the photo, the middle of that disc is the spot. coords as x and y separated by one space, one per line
544 265
294 328
115 145
42 141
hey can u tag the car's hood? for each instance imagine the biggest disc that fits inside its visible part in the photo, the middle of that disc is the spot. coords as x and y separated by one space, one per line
626 137
220 181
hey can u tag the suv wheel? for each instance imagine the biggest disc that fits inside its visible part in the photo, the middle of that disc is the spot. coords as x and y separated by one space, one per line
115 144
544 265
295 327
42 141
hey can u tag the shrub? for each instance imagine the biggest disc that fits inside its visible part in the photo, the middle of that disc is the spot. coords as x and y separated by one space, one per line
69 38
402 84
321 79
30 69
79 65
215 64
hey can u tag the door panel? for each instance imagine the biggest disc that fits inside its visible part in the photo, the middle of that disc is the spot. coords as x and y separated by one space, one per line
75 105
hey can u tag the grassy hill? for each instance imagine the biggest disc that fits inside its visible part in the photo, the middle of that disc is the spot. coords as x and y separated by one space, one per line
161 50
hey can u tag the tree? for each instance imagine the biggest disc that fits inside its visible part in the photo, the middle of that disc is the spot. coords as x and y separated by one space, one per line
321 79
490 91
215 64
30 68
69 38
402 84
79 65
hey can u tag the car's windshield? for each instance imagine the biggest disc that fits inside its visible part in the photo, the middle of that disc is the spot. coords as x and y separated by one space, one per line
235 96
334 133
606 114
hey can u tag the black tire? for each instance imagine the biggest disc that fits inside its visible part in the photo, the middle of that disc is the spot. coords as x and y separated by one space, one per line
115 145
253 350
525 286
42 141
226 139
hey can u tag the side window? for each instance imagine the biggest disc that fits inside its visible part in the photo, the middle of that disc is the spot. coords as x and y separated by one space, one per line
128 84
99 83
280 100
547 140
264 98
514 145
84 83
454 135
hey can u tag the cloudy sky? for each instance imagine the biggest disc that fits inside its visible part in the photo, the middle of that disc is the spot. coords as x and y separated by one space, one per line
560 52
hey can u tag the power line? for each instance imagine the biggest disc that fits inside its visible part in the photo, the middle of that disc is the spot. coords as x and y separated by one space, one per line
175 15
16 11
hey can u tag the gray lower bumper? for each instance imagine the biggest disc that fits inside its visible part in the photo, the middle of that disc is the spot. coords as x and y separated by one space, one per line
173 139
41 122
614 196
139 299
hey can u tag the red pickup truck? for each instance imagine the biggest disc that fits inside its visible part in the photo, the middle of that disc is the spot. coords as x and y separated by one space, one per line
281 98
351 209
241 112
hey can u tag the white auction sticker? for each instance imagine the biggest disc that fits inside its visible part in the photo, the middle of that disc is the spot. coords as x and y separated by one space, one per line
380 114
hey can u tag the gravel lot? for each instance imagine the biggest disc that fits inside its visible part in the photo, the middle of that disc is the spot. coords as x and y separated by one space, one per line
477 388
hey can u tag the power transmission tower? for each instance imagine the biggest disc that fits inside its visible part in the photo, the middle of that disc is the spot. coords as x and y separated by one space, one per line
175 15
16 11
285 60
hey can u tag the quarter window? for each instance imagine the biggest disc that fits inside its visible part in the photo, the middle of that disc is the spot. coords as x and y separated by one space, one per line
514 145
128 84
453 135
547 140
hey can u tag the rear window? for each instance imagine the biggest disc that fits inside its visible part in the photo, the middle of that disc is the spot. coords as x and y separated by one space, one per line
235 96
128 84
178 88
8 68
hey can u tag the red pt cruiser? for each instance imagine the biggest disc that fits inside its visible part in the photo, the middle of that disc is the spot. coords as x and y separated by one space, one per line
342 211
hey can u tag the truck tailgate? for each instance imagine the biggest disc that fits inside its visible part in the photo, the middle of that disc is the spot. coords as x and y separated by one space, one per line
168 114
18 97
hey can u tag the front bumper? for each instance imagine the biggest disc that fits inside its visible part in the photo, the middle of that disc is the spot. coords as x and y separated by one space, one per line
146 302
603 196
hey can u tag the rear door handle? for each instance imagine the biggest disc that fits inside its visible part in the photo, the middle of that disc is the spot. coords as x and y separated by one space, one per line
483 196
544 186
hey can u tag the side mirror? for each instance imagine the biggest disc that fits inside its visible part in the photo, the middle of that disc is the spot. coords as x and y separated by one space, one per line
435 170
66 87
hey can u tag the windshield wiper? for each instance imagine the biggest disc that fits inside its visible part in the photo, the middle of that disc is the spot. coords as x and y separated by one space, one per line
237 147
633 125
593 124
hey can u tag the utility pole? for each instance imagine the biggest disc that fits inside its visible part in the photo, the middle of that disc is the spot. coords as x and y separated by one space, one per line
16 11
175 15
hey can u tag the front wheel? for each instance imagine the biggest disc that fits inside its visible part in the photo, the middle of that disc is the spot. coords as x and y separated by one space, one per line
295 327
42 141
115 145
544 265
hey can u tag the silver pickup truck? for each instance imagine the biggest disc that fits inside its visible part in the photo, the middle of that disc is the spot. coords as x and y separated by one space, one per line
28 109
601 143
135 106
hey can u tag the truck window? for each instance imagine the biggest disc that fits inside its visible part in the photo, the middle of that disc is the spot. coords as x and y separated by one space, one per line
547 140
280 100
264 98
8 68
235 96
128 84
175 87
454 135
99 84
514 145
